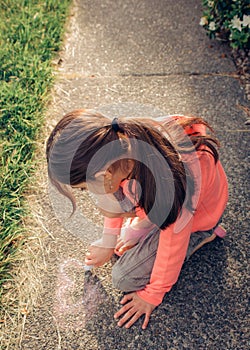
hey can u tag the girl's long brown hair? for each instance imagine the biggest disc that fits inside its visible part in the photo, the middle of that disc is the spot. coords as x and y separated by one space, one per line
165 180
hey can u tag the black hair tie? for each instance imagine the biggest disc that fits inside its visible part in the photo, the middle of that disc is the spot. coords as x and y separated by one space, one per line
115 125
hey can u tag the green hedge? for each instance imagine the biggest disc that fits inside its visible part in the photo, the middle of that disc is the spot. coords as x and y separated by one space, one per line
228 20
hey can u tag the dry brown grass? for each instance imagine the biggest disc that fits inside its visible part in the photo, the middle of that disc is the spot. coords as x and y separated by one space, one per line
21 294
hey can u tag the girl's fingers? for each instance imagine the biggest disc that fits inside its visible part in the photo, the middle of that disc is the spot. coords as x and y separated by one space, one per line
119 245
90 258
89 254
91 248
146 321
89 262
131 317
124 309
133 309
127 297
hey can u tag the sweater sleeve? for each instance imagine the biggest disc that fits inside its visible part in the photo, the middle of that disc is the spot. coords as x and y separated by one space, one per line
112 228
173 244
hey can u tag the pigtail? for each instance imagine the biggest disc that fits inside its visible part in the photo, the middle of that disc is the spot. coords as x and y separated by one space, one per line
65 190
205 143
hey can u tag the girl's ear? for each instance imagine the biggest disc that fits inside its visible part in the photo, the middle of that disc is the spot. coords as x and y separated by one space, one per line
100 173
108 174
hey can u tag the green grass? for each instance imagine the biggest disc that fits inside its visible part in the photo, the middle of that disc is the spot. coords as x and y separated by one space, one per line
31 33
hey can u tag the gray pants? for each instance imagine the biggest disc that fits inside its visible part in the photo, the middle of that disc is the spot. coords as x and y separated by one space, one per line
133 269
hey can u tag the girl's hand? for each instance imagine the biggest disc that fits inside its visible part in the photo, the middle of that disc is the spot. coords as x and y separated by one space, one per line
122 246
133 309
98 256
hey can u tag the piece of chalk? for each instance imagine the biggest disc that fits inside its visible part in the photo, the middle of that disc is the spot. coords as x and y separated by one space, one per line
88 267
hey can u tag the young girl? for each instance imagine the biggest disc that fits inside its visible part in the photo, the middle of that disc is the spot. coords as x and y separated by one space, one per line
163 176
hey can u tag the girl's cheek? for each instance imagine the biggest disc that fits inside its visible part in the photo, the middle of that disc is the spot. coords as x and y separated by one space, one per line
111 188
108 189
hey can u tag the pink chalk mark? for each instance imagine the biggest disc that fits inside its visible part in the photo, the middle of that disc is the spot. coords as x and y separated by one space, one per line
81 310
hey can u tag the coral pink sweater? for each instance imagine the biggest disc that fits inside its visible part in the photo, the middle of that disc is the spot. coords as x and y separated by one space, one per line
210 202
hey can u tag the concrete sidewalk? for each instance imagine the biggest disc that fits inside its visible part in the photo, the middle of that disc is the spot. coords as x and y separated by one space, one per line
149 57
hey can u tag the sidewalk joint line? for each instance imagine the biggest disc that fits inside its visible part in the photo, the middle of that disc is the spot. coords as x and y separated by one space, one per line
77 75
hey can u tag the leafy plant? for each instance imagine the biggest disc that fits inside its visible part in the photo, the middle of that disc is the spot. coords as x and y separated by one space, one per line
228 20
